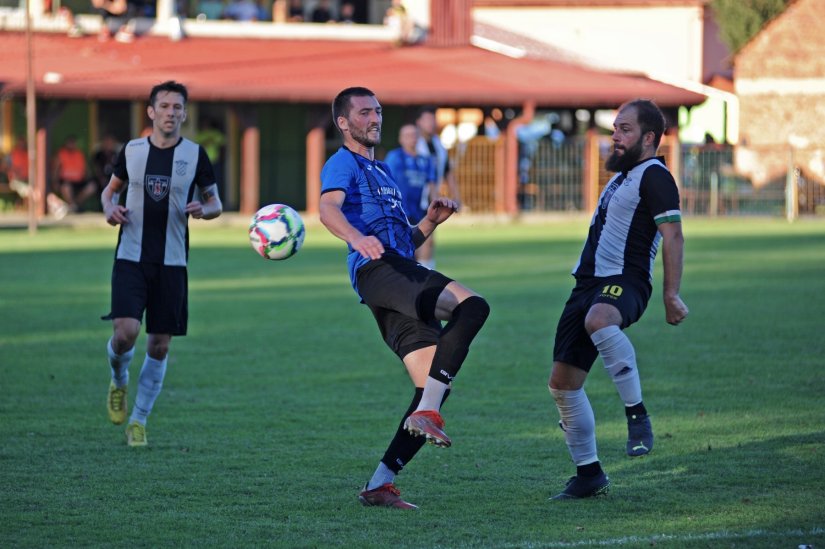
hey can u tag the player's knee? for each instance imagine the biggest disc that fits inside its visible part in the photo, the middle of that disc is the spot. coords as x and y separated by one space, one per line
474 311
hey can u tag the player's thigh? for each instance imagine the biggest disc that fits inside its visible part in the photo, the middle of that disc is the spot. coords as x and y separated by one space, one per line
572 343
404 334
452 295
130 290
401 285
167 304
626 295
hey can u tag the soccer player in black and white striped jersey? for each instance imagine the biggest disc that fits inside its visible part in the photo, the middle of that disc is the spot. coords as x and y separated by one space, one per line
161 174
638 209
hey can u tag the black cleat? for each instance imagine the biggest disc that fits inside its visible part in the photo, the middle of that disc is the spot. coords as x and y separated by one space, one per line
639 435
579 487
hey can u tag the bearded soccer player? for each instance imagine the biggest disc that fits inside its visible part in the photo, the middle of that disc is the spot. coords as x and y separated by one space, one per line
362 205
638 209
161 174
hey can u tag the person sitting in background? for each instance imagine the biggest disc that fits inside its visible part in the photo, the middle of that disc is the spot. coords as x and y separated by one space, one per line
347 14
295 12
322 12
241 10
210 9
70 175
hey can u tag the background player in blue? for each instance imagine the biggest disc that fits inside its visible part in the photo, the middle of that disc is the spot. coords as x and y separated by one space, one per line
362 205
638 208
413 173
160 174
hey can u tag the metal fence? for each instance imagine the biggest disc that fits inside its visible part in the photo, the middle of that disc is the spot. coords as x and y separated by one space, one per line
713 179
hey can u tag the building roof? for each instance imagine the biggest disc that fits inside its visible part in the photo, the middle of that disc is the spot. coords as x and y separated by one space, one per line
313 71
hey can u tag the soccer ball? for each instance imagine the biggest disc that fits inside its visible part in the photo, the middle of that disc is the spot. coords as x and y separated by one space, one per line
276 232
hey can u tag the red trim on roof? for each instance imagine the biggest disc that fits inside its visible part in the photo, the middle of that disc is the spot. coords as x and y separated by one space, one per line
313 71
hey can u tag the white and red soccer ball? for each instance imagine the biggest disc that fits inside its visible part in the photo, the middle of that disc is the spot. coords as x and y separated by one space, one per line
276 232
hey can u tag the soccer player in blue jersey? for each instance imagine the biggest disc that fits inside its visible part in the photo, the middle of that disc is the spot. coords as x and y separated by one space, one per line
161 174
413 173
362 205
638 209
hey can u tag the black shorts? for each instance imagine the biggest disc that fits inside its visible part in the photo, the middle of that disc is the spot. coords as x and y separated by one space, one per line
402 296
628 294
159 290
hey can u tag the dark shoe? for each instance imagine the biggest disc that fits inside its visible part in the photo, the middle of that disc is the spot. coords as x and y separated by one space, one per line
430 424
585 487
386 495
639 435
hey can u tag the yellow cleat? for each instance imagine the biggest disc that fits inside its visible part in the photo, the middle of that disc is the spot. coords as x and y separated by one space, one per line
116 404
136 434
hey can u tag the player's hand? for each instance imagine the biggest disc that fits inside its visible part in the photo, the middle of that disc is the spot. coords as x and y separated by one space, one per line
441 209
368 246
195 209
115 213
675 309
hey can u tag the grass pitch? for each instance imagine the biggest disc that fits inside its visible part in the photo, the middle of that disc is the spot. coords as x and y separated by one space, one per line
278 405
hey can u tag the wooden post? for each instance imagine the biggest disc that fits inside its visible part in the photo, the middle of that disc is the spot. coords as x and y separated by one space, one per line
315 160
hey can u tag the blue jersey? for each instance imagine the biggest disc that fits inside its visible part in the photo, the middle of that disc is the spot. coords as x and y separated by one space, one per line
624 236
372 204
412 173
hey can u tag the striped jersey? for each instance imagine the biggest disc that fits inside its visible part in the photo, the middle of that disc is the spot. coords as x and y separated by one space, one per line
624 236
160 184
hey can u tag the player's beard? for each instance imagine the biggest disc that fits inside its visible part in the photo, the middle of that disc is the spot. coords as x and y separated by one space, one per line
622 162
363 137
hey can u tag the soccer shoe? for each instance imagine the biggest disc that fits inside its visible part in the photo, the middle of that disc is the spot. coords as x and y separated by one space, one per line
116 403
639 435
386 495
585 487
136 434
430 424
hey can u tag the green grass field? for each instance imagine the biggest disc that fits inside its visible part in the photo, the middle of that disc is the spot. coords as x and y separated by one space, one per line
278 405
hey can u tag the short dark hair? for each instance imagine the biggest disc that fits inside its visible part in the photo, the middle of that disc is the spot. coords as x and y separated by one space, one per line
424 110
168 86
649 116
341 105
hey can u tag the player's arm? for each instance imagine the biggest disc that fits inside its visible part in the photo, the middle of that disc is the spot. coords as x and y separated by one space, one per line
438 212
109 198
336 222
209 207
673 245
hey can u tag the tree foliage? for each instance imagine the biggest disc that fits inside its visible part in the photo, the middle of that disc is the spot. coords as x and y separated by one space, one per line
740 20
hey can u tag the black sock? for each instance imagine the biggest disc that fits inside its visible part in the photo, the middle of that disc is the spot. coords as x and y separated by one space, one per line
589 470
635 410
404 446
458 333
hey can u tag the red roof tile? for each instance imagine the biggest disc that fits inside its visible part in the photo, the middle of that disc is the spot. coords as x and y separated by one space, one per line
313 71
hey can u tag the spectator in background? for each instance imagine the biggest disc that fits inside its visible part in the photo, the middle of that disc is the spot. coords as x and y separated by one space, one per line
241 10
414 174
18 167
210 9
429 145
347 14
103 161
212 140
322 12
295 12
70 175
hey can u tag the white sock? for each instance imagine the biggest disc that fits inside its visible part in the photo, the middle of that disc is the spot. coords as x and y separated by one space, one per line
119 365
429 263
382 475
433 395
578 424
620 362
149 385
